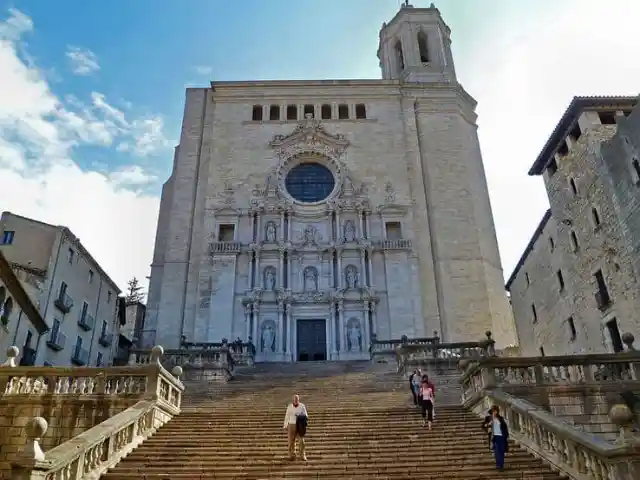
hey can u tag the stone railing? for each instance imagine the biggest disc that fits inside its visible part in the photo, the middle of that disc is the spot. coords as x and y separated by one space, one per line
155 394
242 353
388 347
530 372
212 363
572 411
566 449
442 355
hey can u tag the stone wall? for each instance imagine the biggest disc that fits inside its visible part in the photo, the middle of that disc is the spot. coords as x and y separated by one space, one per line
67 418
592 227
399 152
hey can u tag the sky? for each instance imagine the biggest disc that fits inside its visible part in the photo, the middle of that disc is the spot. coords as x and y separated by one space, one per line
92 94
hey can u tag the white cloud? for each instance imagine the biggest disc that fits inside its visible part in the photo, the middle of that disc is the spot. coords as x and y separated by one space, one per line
39 135
132 175
524 70
83 61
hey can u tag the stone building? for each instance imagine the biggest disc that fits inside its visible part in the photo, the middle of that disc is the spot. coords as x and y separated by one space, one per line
576 289
20 321
311 215
74 295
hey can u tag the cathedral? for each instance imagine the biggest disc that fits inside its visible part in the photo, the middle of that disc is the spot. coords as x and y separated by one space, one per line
311 217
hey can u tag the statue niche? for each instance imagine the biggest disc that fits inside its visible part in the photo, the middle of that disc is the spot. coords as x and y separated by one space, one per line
269 278
354 335
310 278
270 232
349 231
351 276
268 337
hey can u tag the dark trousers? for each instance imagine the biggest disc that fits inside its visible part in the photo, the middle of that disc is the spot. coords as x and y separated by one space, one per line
499 449
415 396
427 410
490 441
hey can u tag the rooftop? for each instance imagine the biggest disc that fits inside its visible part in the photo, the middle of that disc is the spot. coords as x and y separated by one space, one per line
569 119
66 232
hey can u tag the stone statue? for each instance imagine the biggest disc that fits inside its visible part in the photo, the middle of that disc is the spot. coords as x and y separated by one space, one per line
270 232
355 338
268 338
269 278
309 236
310 279
349 231
351 275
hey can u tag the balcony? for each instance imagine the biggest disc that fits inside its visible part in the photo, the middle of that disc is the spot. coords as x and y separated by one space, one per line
57 340
64 302
106 339
28 357
225 247
86 321
80 356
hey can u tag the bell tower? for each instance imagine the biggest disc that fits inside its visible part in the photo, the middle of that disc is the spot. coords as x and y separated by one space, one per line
415 47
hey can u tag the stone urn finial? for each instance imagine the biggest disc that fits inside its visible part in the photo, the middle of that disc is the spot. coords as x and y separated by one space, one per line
628 339
35 430
177 371
622 416
156 354
12 354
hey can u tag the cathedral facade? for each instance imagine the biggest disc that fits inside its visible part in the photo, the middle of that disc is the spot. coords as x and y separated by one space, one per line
311 216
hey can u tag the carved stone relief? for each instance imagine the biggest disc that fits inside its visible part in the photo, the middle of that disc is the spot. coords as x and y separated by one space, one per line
270 232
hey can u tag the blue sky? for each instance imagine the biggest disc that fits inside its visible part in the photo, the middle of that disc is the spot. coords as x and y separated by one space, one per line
93 99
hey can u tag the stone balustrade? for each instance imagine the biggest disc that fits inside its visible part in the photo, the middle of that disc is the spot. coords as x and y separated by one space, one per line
566 449
441 355
110 410
573 411
216 363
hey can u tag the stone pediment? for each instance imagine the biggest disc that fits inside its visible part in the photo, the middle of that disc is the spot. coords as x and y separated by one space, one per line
309 135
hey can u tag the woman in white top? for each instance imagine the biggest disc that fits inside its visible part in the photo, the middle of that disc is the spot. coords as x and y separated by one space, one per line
427 395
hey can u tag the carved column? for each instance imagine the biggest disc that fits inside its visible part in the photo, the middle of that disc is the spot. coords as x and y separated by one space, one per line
365 327
332 330
361 222
258 281
341 325
363 269
281 272
340 273
256 314
370 265
247 320
289 225
374 319
258 228
281 340
367 220
281 232
337 225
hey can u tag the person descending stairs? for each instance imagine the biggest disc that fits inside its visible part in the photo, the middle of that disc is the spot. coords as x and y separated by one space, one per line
361 425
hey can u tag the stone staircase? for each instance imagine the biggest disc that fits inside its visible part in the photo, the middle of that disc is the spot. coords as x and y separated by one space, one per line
361 425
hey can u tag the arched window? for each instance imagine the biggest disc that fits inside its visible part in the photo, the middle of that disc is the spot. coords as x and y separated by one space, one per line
423 47
399 55
256 114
